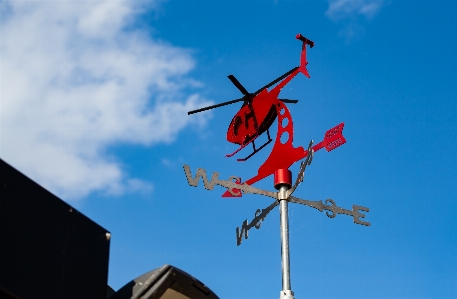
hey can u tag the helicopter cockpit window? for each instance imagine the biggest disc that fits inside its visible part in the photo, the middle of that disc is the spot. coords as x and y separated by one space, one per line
237 123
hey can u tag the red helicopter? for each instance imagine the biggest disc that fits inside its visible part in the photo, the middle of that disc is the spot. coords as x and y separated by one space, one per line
259 111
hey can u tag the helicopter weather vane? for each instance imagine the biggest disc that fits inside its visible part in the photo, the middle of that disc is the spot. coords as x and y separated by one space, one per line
256 115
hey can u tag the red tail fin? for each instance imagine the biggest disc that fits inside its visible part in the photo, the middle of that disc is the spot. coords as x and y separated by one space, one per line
303 61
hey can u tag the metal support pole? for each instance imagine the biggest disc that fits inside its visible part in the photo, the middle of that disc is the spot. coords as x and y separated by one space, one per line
286 292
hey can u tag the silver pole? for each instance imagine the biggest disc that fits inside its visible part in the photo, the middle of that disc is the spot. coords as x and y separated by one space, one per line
286 292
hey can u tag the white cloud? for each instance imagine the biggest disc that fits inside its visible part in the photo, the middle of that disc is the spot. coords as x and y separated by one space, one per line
74 79
347 9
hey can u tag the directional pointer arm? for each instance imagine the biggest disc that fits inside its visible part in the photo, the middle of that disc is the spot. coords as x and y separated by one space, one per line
301 172
332 209
259 216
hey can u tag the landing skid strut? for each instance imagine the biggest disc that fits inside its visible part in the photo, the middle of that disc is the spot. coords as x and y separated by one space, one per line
256 150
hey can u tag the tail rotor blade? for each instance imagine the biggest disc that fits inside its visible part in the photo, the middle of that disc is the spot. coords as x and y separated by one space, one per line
215 106
238 85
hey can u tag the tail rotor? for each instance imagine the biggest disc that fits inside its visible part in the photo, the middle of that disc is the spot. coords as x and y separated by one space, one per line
303 61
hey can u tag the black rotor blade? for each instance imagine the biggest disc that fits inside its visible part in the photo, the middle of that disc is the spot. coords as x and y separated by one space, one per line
276 80
238 85
215 106
289 101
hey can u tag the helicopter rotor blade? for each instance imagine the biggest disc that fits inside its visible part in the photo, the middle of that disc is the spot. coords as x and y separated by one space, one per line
238 85
276 80
215 106
289 101
247 96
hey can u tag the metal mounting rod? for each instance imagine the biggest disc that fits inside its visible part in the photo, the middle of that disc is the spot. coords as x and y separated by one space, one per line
286 292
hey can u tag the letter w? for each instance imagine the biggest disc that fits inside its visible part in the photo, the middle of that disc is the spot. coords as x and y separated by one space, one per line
201 173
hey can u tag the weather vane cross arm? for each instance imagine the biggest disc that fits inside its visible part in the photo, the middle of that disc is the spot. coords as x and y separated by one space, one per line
233 188
259 216
301 172
332 210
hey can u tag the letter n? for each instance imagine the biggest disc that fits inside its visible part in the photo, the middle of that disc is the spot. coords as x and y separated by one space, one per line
239 234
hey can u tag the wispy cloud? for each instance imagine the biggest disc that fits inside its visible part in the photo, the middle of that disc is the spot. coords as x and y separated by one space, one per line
349 11
345 9
76 78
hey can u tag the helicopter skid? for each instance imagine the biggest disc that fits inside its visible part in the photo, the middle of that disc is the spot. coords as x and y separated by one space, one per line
255 150
241 147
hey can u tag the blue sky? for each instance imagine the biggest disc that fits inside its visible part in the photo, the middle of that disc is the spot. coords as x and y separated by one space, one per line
94 96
